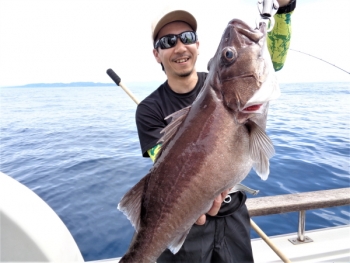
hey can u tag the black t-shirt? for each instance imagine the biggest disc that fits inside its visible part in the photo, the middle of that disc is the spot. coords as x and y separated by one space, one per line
159 104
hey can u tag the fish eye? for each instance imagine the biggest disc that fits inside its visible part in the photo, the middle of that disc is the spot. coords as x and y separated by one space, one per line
229 55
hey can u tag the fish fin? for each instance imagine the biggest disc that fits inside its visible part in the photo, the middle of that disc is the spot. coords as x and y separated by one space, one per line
261 150
262 169
177 119
177 243
171 129
130 204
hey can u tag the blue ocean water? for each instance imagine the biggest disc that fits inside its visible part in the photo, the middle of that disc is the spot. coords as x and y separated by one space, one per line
78 149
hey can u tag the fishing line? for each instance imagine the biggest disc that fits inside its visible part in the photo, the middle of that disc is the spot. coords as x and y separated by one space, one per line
320 59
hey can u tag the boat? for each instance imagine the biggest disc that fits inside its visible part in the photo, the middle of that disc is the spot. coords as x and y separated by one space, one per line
32 231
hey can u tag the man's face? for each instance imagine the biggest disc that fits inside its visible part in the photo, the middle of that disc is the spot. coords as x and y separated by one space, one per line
180 60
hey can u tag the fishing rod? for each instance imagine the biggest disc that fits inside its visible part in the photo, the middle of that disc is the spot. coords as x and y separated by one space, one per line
257 229
319 59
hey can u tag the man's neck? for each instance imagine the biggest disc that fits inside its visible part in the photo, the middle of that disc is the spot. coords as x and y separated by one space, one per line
183 84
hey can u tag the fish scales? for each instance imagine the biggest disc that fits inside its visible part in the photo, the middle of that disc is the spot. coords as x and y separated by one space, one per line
217 142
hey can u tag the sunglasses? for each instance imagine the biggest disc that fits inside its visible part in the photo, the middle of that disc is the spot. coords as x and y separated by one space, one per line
169 41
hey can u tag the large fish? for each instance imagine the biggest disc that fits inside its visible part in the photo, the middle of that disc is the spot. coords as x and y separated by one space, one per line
208 147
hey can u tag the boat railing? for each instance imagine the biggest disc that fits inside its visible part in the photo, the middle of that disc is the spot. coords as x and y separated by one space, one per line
298 202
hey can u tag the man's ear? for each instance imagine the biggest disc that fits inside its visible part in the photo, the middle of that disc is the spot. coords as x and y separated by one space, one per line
156 55
197 43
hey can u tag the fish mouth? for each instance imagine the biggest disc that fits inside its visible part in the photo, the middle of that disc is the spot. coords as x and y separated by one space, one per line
252 109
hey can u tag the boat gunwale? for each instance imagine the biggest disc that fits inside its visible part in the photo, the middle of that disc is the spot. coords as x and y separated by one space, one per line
296 202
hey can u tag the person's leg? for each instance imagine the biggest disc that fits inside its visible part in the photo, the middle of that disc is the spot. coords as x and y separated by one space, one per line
232 242
197 248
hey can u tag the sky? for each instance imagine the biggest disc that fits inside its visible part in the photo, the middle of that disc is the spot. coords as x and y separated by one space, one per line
49 41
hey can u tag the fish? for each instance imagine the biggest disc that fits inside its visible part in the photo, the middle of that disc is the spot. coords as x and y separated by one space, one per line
208 147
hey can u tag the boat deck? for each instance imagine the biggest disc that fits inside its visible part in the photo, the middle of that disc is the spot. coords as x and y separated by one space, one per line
329 245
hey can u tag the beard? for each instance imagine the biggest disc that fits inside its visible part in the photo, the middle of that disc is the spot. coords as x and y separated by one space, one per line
185 74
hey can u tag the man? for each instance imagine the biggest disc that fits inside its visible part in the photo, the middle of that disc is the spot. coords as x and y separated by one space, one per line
223 234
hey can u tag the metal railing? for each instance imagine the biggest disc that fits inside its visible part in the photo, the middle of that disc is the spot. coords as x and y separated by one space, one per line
299 202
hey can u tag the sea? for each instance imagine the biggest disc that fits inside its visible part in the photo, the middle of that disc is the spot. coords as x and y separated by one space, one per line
78 149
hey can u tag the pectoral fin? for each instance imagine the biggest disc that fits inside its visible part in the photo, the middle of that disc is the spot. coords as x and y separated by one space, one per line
261 149
177 243
130 204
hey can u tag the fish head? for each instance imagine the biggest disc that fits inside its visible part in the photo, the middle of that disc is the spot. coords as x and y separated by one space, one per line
241 71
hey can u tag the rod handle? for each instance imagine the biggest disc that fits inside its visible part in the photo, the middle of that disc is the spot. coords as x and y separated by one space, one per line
117 81
113 76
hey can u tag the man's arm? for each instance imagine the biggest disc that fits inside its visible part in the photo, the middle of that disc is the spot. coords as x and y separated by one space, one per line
149 125
278 40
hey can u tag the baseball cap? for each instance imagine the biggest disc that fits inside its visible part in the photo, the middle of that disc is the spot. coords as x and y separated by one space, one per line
168 16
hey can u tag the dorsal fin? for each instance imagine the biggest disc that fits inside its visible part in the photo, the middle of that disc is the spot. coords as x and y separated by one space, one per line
170 130
260 149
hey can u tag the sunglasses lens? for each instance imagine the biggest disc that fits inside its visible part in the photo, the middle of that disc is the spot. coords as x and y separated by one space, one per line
188 38
169 41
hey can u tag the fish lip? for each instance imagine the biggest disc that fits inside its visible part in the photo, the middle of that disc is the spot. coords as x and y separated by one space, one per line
255 108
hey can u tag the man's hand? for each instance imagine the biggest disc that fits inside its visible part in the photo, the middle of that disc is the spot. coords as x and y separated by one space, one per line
215 207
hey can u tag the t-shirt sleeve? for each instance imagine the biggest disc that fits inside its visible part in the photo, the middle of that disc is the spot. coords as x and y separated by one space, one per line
149 125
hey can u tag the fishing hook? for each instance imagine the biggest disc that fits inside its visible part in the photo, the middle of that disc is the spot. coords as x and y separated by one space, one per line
267 9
